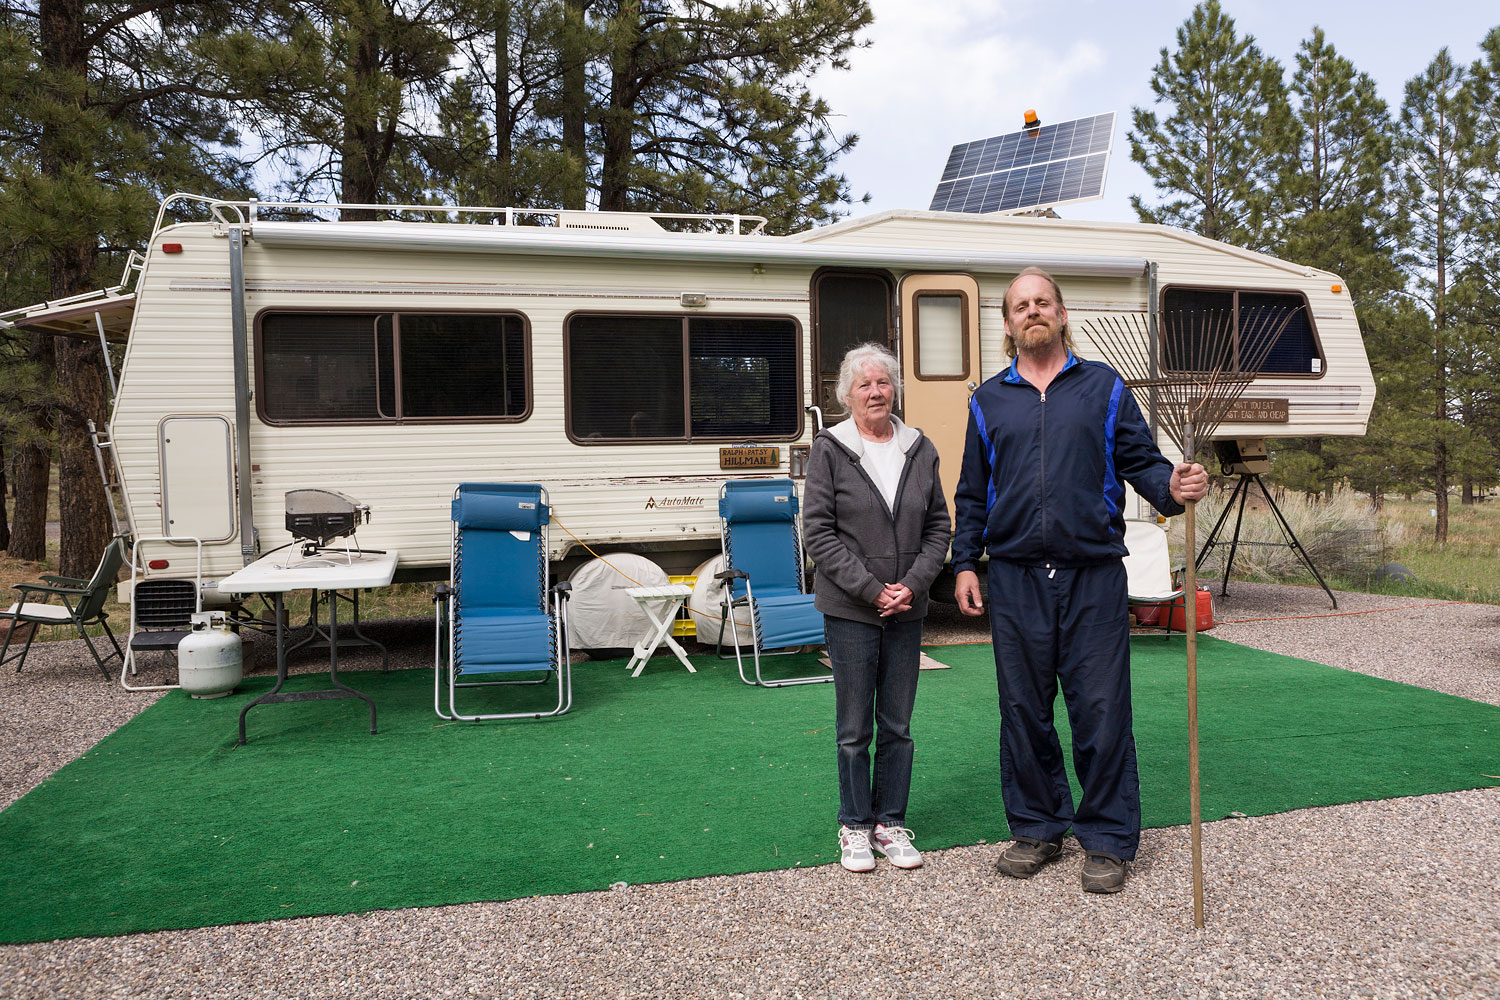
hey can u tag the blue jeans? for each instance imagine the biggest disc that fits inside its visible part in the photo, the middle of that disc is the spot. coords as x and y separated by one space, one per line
875 688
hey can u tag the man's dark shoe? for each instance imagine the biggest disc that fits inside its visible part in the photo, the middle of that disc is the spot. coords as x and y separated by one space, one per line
1103 872
1026 856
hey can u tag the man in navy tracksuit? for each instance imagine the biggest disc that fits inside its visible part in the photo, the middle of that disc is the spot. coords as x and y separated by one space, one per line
1051 442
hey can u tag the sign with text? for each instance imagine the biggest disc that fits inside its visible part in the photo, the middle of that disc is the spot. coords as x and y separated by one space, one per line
1251 411
749 457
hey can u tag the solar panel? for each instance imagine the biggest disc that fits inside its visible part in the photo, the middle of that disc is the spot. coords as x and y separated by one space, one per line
1033 168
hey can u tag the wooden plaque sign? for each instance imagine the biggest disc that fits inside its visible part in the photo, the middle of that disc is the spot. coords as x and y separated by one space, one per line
1249 411
748 457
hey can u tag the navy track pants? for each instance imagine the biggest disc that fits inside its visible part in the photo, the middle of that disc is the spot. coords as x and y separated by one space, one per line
1069 628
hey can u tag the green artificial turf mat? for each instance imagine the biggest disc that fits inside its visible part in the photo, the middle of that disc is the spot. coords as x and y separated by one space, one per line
168 823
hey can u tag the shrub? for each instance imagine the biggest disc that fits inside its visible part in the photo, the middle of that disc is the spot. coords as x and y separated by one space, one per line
1342 534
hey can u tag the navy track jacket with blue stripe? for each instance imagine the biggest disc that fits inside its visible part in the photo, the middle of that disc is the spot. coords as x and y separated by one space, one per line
1043 474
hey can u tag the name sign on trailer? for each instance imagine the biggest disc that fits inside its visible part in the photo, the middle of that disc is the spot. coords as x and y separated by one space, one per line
749 458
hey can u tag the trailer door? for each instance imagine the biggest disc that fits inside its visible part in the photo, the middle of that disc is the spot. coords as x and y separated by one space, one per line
939 360
197 477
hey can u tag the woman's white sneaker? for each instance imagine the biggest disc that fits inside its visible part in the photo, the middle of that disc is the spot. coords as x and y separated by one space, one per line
895 843
854 850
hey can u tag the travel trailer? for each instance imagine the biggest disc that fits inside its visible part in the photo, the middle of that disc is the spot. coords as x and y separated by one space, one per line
629 363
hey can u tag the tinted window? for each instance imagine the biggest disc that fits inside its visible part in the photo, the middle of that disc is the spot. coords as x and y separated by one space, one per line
318 367
392 366
1265 333
627 378
851 309
462 365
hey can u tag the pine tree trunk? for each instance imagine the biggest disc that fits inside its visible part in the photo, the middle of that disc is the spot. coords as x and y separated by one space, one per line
84 522
28 537
618 119
360 178
505 193
4 517
575 100
83 514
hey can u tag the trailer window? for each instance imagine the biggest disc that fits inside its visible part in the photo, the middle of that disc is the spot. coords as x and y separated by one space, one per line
375 367
1263 333
849 308
678 378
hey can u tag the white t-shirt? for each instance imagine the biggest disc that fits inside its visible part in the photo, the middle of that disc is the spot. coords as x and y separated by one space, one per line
884 461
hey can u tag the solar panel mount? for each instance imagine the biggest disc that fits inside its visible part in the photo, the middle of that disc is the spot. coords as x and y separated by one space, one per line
1035 168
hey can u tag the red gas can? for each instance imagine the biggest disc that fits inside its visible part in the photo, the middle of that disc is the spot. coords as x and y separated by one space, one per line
1205 616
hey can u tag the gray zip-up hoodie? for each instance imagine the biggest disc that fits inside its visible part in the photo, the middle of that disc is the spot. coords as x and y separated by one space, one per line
857 543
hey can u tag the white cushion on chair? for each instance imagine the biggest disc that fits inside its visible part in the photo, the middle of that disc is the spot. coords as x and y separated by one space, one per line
43 612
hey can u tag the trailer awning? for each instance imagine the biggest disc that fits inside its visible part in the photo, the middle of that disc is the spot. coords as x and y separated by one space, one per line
438 238
78 319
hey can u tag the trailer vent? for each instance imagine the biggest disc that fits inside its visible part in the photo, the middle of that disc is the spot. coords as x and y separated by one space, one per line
164 603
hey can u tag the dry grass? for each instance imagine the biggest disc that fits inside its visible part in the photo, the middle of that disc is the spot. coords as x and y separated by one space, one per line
1349 541
1347 538
404 600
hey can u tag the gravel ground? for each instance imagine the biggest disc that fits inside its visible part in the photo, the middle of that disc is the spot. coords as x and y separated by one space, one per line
1399 898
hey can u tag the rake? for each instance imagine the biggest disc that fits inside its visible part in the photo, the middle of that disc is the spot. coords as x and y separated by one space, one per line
1193 374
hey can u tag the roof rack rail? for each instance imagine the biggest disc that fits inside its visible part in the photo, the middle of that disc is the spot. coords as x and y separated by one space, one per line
244 213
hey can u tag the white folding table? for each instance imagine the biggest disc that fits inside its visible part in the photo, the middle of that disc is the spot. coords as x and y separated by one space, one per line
332 570
668 599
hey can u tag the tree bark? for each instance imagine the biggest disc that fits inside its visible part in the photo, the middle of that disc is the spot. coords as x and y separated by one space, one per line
575 100
33 467
84 521
505 125
618 120
83 512
362 162
4 518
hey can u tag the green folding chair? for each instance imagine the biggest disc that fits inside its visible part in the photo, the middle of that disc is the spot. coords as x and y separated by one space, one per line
81 604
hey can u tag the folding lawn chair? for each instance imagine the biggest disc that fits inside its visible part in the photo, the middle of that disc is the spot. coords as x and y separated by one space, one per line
81 604
764 570
1148 573
495 621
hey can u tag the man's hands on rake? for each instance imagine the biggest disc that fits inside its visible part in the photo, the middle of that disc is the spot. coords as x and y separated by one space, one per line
1189 482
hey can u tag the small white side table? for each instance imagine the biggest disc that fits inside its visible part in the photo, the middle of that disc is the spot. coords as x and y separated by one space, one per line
669 599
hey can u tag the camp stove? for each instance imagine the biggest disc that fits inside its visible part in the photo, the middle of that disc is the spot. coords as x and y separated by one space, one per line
317 517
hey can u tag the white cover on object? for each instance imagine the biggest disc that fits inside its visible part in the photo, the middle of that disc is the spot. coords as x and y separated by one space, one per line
600 614
1148 568
707 593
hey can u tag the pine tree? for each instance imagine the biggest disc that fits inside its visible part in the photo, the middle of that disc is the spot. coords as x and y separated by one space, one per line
1227 126
341 93
1436 152
1332 200
104 105
704 107
1480 299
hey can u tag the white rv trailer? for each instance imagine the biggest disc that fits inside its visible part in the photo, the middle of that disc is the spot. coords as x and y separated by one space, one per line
628 366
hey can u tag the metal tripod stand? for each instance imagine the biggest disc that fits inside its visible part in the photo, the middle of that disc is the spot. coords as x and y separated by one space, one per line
1242 493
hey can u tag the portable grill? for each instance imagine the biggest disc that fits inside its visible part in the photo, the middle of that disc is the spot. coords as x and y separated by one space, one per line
319 516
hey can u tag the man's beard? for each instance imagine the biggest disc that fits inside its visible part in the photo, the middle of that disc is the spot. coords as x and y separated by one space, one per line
1037 337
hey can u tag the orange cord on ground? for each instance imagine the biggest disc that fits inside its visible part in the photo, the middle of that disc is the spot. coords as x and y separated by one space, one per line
970 642
617 569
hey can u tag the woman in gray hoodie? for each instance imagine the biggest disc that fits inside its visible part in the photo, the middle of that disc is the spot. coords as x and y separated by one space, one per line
876 525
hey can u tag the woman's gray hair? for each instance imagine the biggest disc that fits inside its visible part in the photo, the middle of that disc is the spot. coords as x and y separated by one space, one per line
856 360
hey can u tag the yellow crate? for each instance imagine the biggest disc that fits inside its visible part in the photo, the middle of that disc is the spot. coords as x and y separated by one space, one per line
684 625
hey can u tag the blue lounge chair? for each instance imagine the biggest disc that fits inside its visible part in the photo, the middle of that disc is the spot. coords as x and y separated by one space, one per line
764 570
500 624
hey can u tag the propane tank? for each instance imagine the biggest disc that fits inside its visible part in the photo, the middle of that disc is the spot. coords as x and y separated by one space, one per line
210 658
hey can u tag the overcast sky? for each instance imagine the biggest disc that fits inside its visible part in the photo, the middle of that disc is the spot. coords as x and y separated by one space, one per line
941 72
